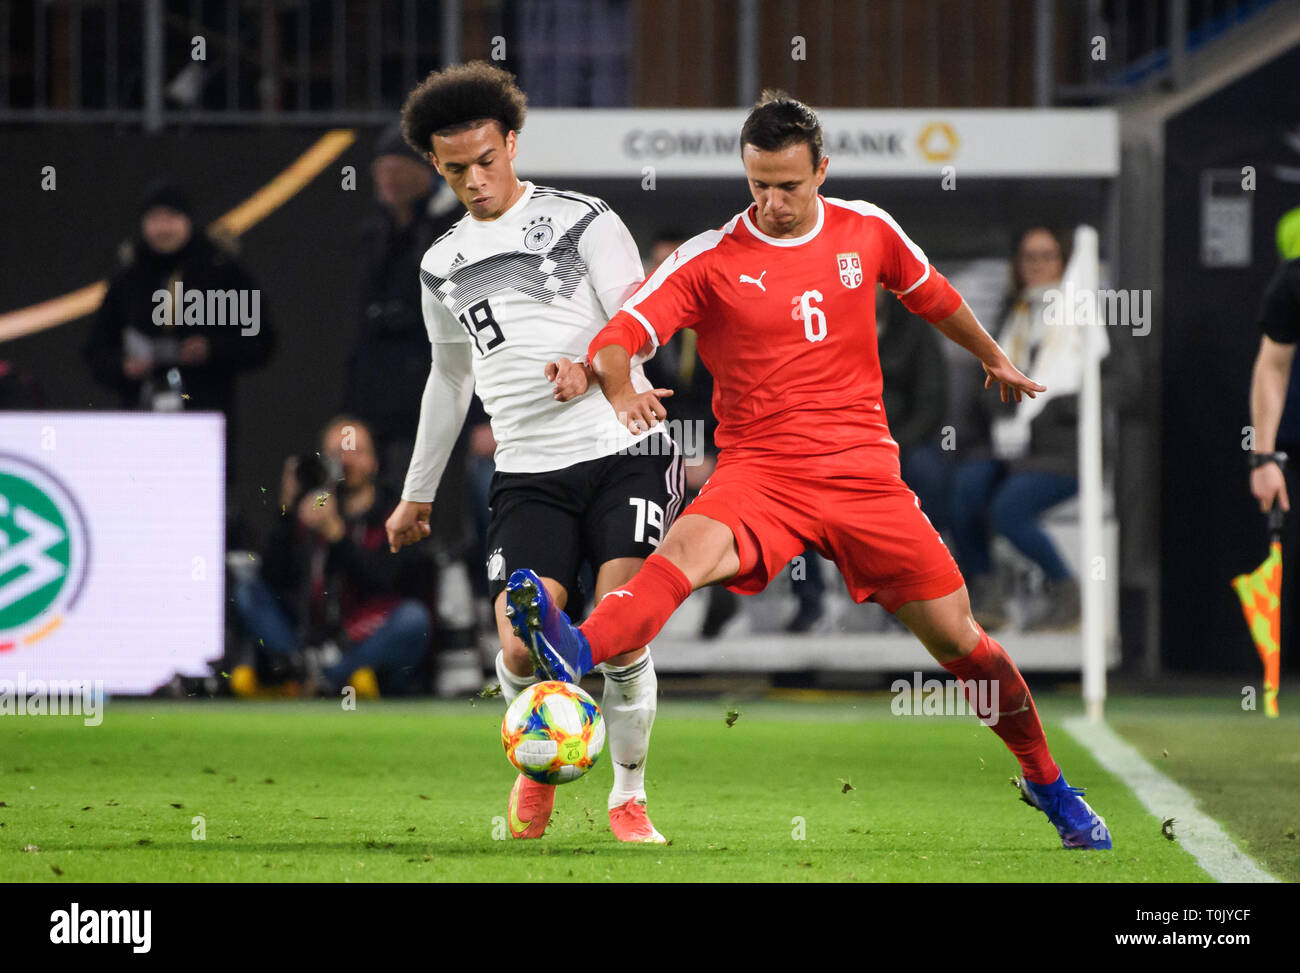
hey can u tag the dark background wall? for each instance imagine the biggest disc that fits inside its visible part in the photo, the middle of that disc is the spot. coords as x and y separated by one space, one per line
1211 527
54 242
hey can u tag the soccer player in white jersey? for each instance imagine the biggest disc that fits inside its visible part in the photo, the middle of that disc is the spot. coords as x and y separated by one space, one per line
512 295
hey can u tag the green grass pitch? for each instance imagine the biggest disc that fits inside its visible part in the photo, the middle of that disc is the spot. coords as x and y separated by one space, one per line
409 792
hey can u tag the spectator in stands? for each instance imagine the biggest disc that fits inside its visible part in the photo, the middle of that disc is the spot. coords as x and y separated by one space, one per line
389 361
1012 474
158 354
327 576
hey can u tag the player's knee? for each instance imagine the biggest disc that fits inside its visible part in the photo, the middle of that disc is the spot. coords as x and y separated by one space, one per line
701 549
627 658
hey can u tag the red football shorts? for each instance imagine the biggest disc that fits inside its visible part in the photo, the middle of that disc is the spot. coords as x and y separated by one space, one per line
852 508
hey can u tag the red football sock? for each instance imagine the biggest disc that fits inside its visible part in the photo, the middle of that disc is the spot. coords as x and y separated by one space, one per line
1011 712
630 616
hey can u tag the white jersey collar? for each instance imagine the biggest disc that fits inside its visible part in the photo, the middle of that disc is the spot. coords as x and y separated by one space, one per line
793 241
513 211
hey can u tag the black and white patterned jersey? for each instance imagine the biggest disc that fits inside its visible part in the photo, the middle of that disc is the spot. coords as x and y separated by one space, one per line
504 297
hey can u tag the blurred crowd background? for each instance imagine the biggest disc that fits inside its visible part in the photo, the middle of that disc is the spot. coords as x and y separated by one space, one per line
321 400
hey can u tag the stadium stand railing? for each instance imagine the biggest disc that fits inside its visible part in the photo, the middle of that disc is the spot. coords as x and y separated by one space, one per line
333 62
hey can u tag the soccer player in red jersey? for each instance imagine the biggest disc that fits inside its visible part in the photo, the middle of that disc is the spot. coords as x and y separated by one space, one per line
782 302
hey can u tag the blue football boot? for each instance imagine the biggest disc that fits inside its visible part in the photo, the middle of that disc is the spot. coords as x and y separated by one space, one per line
557 649
1078 825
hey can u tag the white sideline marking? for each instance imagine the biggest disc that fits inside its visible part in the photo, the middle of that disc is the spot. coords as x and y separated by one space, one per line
1200 835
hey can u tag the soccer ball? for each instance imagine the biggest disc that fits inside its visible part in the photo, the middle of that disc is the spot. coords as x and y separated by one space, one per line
553 732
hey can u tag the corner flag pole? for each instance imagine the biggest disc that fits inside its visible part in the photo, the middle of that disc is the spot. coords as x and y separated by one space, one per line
1093 566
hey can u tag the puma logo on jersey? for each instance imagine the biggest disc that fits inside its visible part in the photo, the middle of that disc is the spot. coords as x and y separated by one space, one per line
746 279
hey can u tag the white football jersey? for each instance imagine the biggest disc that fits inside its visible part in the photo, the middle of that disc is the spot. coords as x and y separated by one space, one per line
533 285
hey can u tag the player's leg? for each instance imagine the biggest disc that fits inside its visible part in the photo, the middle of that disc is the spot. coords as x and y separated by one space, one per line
629 704
532 522
514 666
697 551
528 808
633 499
743 528
949 632
889 551
1002 700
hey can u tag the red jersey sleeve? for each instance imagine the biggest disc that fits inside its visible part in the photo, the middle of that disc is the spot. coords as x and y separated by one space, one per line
672 298
905 270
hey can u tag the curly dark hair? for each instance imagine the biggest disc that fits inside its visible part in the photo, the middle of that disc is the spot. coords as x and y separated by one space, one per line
459 98
778 120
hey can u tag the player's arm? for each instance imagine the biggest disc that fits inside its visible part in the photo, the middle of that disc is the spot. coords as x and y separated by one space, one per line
925 292
614 273
1268 386
963 328
671 299
443 407
612 366
1279 320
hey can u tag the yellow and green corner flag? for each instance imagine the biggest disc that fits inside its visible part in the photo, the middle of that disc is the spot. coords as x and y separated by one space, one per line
1261 601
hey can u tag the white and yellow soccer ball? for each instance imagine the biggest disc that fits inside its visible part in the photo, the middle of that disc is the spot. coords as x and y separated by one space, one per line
553 732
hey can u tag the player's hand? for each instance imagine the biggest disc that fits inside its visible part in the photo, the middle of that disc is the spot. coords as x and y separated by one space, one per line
407 524
1013 383
570 377
641 411
1268 486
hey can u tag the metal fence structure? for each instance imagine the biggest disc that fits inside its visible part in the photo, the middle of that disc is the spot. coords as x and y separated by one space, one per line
160 62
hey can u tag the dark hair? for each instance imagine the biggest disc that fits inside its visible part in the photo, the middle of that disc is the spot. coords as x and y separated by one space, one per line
1059 237
459 98
778 121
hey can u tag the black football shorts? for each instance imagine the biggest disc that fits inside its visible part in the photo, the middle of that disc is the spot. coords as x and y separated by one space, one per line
612 507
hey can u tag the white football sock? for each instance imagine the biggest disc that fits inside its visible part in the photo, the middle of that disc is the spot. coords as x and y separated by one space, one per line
511 685
629 702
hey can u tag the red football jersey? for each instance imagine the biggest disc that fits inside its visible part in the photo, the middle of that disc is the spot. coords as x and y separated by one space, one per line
787 326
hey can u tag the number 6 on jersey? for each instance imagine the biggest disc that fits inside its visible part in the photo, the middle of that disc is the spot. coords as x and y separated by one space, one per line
814 319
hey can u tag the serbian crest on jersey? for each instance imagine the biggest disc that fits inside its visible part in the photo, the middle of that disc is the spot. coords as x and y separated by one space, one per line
850 266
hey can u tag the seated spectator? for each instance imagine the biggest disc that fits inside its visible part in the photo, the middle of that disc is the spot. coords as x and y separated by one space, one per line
328 577
1014 470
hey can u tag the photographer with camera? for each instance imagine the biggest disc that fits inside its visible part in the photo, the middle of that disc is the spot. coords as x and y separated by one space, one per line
331 606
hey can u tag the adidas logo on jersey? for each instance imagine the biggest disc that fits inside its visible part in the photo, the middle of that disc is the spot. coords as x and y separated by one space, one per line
460 259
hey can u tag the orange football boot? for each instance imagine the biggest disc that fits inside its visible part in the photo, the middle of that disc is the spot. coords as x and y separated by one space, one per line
529 810
630 822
